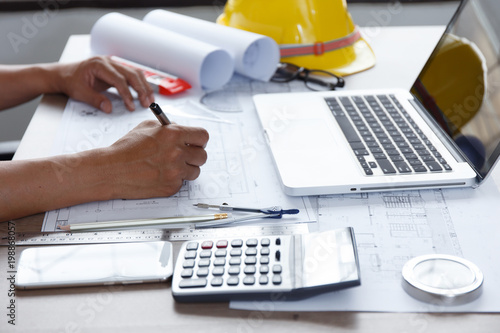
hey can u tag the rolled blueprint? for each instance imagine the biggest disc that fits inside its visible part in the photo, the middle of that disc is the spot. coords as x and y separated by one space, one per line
199 63
256 56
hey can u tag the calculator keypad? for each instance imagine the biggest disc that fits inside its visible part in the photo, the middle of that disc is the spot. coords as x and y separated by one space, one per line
234 265
269 267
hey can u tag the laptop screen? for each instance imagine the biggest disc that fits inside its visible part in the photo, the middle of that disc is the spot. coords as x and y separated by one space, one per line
460 84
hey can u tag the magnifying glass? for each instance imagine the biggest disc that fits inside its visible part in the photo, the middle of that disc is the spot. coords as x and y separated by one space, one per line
442 279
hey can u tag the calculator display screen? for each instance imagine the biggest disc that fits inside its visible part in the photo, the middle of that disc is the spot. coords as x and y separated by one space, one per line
329 257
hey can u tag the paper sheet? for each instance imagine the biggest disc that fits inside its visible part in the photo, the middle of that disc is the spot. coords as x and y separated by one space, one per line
455 221
239 169
256 56
392 228
201 64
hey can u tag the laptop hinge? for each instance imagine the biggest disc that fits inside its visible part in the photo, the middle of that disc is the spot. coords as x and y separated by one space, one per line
447 141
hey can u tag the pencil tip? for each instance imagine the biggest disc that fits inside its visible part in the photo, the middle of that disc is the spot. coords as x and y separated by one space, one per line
63 227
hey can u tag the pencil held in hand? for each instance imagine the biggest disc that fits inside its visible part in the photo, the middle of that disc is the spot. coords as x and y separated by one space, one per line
160 115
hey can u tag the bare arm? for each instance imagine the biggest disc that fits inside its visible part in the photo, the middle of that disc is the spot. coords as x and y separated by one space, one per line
149 161
83 81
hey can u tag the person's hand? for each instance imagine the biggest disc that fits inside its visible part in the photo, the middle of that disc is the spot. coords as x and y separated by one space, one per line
153 160
150 161
85 81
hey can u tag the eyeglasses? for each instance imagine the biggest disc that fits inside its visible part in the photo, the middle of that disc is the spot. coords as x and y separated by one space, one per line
287 72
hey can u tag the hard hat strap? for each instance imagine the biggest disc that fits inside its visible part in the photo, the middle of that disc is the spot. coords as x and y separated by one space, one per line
319 48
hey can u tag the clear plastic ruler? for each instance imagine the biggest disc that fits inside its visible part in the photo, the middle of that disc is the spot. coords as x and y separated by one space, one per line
148 235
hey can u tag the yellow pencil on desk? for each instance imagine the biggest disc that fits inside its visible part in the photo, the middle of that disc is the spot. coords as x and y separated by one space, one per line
143 222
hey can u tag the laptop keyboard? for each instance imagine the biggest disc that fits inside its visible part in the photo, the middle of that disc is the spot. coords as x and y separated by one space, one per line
383 136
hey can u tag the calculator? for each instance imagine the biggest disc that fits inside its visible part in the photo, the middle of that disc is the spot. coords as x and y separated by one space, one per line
266 266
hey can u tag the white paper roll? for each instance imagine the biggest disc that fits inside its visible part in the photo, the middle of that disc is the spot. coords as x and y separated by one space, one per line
199 63
256 56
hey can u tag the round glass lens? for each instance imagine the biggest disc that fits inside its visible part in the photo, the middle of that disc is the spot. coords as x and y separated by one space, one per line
443 274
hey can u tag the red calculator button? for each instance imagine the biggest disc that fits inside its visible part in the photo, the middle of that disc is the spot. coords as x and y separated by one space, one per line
222 244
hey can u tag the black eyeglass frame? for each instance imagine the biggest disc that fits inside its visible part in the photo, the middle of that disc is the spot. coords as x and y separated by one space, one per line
296 72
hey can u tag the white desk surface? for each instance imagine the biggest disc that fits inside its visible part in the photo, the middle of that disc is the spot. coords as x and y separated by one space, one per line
401 52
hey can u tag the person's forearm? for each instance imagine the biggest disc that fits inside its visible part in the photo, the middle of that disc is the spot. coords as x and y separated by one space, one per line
150 161
19 84
34 186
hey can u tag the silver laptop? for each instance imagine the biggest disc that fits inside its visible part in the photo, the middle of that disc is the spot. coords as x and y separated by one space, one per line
444 132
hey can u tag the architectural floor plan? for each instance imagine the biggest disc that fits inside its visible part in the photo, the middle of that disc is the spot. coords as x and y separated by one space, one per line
239 170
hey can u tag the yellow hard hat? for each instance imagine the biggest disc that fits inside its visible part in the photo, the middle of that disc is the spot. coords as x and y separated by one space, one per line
315 34
454 83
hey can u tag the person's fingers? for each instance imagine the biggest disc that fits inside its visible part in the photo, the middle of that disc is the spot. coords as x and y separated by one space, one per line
195 156
195 136
100 73
137 81
192 172
95 99
107 73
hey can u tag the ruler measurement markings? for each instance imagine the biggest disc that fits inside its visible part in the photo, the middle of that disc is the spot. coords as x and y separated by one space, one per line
44 238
